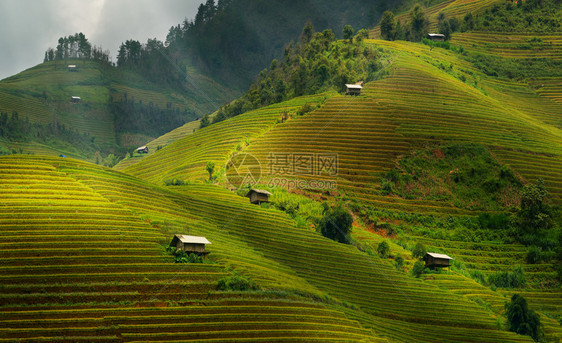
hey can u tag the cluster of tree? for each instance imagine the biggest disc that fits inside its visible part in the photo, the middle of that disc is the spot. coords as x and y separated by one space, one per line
538 16
136 117
235 39
15 128
76 46
153 60
316 63
523 320
414 30
526 16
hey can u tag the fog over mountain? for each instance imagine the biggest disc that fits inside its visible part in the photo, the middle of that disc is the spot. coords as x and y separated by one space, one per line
29 27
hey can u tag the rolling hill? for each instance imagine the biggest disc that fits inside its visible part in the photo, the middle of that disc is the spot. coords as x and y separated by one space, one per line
42 95
83 247
97 270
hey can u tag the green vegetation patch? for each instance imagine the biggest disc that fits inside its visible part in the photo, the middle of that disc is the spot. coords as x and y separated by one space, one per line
316 64
466 175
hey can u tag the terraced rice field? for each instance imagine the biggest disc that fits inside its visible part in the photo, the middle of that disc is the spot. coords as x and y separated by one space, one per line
461 7
187 158
97 270
511 45
451 8
78 265
417 104
485 257
550 88
162 141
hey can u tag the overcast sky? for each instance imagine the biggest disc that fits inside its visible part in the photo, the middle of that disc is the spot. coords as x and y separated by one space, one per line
29 27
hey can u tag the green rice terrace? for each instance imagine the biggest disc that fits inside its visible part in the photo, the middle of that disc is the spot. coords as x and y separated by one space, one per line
97 269
452 150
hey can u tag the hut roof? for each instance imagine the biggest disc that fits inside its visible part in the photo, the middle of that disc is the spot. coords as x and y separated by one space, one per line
436 35
350 86
141 147
76 97
72 65
261 191
442 256
192 239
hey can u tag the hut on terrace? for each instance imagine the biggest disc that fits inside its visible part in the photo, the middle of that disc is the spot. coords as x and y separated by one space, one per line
75 99
190 244
72 67
257 196
435 260
142 149
436 37
354 89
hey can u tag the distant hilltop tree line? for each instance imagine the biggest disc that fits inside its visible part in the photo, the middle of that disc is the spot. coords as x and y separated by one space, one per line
158 61
76 46
151 59
531 15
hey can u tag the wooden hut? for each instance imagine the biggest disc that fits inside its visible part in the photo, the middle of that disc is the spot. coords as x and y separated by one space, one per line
75 99
353 89
435 260
72 67
257 196
190 244
142 149
436 37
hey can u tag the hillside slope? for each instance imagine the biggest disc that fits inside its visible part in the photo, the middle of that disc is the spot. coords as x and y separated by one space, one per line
423 100
41 96
109 274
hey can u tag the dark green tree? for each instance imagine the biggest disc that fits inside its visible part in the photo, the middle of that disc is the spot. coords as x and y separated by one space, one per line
521 319
362 34
388 24
419 25
399 32
336 224
204 121
307 32
383 249
348 32
535 213
399 263
210 169
418 268
445 29
419 251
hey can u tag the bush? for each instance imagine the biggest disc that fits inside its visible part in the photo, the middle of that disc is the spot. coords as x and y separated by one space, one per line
399 263
183 257
235 283
383 249
418 269
478 276
513 279
419 251
536 254
521 319
174 182
336 224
